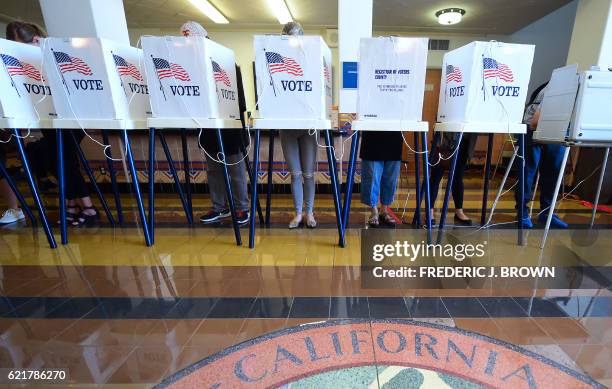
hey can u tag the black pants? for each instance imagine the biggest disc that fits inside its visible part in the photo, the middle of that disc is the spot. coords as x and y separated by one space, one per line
75 185
437 172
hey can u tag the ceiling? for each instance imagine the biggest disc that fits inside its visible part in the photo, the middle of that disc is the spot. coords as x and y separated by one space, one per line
482 16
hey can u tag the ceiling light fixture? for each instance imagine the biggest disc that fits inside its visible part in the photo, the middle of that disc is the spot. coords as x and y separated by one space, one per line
280 11
450 15
209 10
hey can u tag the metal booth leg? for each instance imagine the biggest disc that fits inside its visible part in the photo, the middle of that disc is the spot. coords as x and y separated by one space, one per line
59 136
152 184
521 183
92 180
251 178
177 182
426 186
449 187
186 169
434 146
228 190
34 190
133 173
602 173
271 135
555 194
113 176
487 177
334 184
350 176
417 180
254 199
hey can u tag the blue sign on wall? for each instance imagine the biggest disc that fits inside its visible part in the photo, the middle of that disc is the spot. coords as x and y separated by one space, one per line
349 75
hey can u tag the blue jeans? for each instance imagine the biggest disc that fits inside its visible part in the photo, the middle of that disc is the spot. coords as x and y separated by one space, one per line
378 181
546 157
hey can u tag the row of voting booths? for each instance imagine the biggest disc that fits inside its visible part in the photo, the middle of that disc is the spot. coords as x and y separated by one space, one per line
189 83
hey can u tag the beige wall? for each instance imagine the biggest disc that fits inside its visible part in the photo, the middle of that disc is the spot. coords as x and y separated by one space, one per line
242 44
588 34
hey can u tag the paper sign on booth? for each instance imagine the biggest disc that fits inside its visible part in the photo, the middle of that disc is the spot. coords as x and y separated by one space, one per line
24 92
391 78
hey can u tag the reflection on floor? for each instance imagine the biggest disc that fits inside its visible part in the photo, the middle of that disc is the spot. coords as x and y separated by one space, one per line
115 312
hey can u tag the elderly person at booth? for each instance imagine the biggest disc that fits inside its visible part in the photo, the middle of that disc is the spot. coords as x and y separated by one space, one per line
233 144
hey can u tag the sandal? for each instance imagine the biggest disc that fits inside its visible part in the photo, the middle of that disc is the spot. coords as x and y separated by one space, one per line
387 220
373 221
85 219
310 221
296 222
71 216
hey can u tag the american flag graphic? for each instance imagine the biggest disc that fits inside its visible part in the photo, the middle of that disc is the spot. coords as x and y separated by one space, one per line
71 64
453 73
166 69
326 73
220 74
494 69
18 68
124 68
277 63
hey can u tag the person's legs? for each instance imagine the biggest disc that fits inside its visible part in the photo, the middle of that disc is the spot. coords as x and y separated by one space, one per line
458 186
13 212
388 185
550 168
308 159
77 190
371 174
239 180
533 151
8 195
216 186
437 172
291 152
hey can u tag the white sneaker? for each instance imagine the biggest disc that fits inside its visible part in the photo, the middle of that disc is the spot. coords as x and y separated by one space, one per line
11 216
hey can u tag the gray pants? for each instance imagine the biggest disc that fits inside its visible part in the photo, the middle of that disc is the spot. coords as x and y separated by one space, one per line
238 179
300 151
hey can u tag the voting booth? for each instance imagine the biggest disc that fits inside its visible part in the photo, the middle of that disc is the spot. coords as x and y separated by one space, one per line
293 77
391 84
95 79
23 92
485 82
193 85
575 111
294 92
576 107
190 77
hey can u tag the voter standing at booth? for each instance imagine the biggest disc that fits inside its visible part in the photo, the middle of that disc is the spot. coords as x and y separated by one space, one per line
466 149
233 144
545 157
79 207
300 152
21 32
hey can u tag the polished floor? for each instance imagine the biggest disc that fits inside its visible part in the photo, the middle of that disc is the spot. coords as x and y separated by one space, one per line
118 314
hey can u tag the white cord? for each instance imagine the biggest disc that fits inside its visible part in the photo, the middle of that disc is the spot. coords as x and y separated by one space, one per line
221 158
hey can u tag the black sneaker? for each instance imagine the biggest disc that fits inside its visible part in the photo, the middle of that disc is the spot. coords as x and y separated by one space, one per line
214 216
242 217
